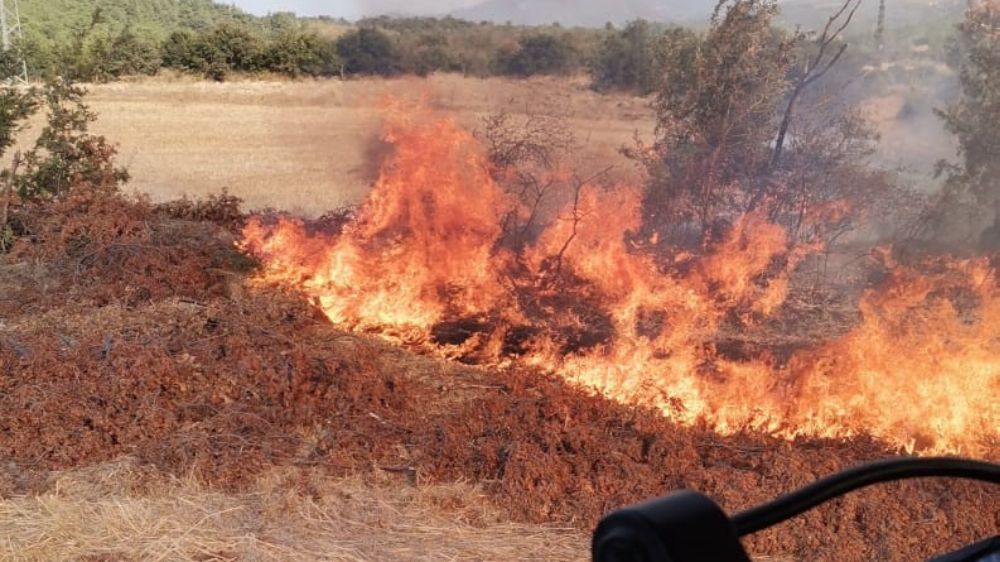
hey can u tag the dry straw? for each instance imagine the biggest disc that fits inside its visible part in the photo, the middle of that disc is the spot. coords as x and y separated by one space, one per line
119 511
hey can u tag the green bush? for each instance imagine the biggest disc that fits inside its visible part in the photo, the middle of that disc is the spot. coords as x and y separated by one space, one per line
227 48
427 53
368 51
637 57
124 55
236 47
295 52
539 54
66 153
178 51
64 156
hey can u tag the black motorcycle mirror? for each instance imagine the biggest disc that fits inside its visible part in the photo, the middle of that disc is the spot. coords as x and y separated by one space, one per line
690 527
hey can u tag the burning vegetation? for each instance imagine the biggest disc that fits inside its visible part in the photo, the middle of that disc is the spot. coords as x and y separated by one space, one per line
429 260
652 290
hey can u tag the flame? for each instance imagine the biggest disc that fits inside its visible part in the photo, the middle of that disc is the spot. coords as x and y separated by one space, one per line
921 370
418 248
923 363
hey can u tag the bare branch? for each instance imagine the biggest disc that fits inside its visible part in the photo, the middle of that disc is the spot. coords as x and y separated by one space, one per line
576 216
829 65
810 73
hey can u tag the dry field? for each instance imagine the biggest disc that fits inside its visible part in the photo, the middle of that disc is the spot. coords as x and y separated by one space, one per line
311 146
122 511
306 147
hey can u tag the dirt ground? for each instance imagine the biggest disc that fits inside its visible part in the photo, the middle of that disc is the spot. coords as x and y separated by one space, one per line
306 147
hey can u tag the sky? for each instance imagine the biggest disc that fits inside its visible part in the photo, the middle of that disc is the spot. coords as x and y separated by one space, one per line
350 9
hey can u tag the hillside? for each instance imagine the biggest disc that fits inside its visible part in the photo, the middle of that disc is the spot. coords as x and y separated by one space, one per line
62 19
587 14
900 14
597 13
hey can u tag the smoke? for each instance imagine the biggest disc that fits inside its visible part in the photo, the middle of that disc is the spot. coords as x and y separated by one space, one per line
913 136
410 7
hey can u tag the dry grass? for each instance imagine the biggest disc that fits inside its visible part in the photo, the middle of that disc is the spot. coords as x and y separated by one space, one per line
119 511
309 146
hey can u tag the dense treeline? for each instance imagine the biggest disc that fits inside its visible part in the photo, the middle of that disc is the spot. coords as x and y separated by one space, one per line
115 38
629 58
106 49
63 20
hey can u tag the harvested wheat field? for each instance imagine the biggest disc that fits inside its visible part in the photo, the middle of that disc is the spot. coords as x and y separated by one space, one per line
124 511
311 146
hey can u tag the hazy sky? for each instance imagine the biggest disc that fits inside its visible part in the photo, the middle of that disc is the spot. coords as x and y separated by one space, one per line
350 8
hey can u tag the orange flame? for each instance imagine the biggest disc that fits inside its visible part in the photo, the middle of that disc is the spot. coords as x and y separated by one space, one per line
920 371
418 248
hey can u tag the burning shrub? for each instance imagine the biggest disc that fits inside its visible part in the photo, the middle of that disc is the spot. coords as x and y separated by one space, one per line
523 155
222 209
424 261
729 140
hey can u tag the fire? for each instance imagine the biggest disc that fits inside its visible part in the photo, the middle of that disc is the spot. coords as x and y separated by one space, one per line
590 301
926 353
419 248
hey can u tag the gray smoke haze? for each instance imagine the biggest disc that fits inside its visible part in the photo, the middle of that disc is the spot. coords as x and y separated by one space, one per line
576 12
353 9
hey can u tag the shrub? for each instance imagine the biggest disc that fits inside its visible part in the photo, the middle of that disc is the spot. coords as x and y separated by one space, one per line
66 154
127 55
368 51
539 54
179 51
637 57
65 157
233 46
430 53
296 51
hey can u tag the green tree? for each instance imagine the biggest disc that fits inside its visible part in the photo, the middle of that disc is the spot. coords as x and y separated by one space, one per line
637 57
717 116
65 153
129 55
235 46
368 51
430 52
973 184
296 51
539 54
179 51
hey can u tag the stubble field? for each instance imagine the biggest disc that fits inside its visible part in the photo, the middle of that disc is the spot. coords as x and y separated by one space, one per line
307 147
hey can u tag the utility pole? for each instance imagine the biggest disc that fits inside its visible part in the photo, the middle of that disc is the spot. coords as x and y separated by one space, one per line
880 29
10 31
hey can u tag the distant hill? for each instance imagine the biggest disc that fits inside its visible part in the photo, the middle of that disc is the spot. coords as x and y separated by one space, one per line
61 19
595 13
899 13
588 13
